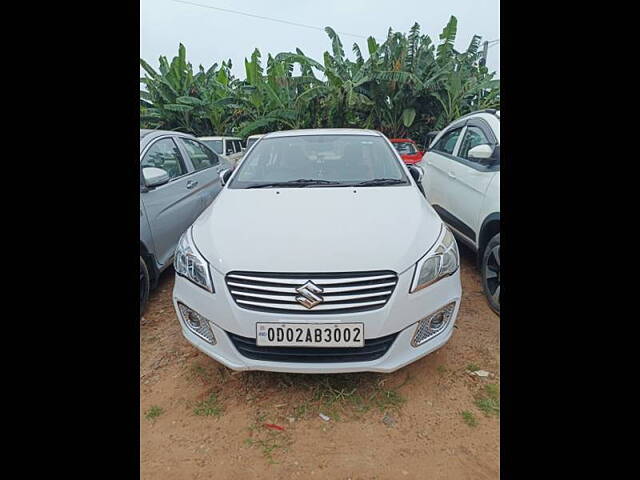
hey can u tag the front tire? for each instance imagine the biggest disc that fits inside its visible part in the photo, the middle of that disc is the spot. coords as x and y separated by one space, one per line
144 285
490 270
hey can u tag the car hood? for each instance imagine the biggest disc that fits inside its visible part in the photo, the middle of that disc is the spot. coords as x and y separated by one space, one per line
316 229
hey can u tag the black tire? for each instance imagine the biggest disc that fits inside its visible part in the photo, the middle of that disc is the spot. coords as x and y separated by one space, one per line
490 270
144 285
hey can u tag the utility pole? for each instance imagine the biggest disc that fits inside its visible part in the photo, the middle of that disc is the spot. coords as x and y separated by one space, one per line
485 49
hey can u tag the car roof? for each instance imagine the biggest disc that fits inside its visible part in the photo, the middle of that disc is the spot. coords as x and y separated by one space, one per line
401 140
489 115
487 112
257 135
483 115
323 131
144 132
219 138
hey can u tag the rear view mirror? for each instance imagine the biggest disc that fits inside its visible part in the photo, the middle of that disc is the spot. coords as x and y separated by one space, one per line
154 176
224 176
417 173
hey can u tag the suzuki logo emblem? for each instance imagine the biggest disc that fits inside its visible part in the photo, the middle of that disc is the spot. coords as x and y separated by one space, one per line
308 294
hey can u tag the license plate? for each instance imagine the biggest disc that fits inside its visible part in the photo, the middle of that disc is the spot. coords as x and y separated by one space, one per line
310 335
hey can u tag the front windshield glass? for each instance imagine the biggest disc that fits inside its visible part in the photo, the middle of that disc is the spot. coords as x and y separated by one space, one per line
405 148
215 145
320 160
251 141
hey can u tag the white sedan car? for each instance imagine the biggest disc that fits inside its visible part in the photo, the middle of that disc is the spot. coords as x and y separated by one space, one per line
319 255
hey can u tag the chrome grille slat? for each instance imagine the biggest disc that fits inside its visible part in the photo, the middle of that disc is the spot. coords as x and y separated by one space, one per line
260 287
292 290
327 299
341 292
318 280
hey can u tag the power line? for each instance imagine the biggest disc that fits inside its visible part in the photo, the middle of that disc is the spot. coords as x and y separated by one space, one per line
264 18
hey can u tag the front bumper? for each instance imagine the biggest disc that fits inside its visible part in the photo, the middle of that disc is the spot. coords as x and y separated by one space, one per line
400 315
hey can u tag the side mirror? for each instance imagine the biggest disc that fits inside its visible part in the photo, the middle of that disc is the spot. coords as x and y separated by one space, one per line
154 176
416 172
481 152
224 176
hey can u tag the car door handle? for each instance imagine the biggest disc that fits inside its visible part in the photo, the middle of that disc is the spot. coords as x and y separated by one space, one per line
191 184
451 175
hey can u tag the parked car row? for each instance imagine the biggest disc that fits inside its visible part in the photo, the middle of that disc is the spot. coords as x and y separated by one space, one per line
320 251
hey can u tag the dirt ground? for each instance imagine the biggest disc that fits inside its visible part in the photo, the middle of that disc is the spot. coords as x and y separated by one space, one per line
431 419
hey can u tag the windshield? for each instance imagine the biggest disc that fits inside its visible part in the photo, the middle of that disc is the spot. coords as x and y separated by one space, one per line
215 145
405 148
320 160
251 141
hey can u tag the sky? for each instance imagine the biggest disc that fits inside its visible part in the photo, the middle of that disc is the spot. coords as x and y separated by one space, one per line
211 36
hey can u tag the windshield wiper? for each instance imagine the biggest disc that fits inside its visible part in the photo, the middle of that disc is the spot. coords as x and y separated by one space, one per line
379 181
301 182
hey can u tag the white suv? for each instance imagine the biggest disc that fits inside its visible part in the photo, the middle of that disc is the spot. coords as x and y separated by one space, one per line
229 148
462 183
319 255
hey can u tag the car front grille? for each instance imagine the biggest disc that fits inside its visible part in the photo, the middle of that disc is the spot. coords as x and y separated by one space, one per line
374 348
341 292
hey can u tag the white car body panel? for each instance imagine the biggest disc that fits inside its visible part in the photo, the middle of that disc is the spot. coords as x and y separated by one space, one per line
316 229
439 174
491 200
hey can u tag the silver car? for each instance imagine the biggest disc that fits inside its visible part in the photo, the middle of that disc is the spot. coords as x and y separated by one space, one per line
179 178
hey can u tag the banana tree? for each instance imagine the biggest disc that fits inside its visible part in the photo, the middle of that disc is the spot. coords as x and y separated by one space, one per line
165 88
406 85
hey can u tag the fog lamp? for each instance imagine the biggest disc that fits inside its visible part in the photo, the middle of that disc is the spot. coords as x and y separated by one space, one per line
197 323
432 325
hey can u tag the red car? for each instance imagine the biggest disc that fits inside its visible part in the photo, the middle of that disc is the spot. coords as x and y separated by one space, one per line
407 149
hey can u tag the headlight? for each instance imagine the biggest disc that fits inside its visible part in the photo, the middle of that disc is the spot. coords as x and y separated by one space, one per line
188 263
439 262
